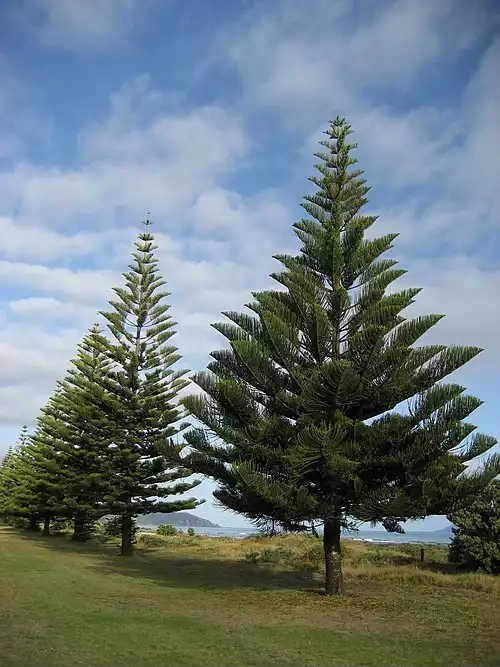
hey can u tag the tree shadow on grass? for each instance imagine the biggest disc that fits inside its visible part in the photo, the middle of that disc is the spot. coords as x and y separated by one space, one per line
398 559
444 568
203 572
177 571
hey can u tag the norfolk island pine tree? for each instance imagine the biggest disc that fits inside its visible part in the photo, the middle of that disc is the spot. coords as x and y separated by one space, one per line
75 432
476 541
140 395
298 415
34 483
16 499
61 471
39 479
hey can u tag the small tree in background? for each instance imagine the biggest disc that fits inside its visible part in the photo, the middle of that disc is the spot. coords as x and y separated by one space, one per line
75 432
43 478
18 497
300 411
476 542
7 474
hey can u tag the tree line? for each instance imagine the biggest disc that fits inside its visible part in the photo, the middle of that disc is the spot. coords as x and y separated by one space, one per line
322 407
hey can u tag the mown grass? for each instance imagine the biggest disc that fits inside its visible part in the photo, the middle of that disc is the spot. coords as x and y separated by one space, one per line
206 601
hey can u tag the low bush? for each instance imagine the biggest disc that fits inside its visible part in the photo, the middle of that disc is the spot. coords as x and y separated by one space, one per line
166 529
276 555
18 522
146 540
60 526
251 557
308 558
315 553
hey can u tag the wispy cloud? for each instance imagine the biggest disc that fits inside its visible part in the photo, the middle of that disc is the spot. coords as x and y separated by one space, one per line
93 25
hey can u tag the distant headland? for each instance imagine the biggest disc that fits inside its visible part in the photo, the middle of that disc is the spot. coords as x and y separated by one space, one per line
176 519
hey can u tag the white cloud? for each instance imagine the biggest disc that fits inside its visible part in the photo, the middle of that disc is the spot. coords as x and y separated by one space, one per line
130 164
445 159
49 309
476 164
310 58
313 65
93 24
405 37
25 355
29 242
81 285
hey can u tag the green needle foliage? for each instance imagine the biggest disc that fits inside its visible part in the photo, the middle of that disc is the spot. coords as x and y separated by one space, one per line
76 433
43 478
31 479
139 393
17 500
64 469
299 414
476 543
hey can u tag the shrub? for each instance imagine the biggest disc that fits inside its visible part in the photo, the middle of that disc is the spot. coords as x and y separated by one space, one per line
166 529
190 532
18 522
346 549
315 554
98 529
275 555
151 541
251 557
60 525
476 544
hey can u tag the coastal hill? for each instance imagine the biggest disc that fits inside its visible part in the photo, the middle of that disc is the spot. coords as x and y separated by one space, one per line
176 519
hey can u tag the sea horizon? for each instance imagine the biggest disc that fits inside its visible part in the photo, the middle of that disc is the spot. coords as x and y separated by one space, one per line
366 535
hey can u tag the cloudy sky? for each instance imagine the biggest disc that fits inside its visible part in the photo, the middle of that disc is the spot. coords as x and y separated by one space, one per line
207 114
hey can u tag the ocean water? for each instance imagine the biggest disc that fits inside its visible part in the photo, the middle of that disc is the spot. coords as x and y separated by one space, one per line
380 536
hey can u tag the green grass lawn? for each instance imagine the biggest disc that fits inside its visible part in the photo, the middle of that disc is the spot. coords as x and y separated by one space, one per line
194 601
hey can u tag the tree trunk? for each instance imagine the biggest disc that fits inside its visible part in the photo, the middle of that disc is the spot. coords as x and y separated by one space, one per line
127 529
334 581
46 525
34 525
79 531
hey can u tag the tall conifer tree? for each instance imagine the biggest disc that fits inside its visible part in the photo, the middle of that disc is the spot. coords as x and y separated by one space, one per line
140 394
299 414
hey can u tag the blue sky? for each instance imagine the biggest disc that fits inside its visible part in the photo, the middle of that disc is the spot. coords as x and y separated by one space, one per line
207 114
